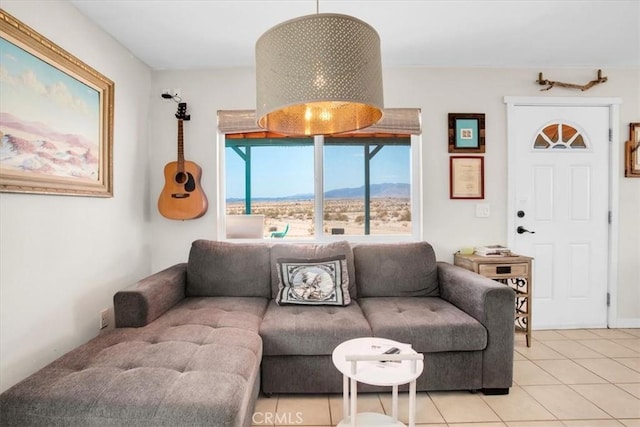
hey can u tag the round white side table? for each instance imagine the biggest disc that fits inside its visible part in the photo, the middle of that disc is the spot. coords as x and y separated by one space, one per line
362 360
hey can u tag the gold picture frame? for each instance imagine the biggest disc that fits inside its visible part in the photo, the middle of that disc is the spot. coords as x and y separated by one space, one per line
632 152
56 118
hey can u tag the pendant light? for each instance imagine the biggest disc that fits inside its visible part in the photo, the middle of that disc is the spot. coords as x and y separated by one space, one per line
317 75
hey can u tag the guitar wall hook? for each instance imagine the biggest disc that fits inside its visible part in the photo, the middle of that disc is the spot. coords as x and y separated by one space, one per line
175 98
550 84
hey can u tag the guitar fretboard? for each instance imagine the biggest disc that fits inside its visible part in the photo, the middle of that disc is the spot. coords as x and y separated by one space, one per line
180 147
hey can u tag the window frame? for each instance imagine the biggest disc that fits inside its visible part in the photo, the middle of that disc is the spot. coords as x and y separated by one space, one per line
319 235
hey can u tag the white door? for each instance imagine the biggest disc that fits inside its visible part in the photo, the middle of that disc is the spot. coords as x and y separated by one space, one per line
559 208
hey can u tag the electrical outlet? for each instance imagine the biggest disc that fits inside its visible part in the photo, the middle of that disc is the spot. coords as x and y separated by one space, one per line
104 318
482 210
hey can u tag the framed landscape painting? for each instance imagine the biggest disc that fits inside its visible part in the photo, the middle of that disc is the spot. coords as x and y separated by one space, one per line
56 118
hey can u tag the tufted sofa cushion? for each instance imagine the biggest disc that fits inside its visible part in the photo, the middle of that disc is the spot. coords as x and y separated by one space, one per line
218 312
228 269
430 324
177 371
396 270
310 330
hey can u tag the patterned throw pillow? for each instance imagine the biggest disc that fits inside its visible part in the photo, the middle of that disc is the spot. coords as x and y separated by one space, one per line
313 281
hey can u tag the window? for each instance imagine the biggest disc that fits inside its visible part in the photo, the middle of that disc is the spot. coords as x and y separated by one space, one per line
273 177
367 184
559 136
309 188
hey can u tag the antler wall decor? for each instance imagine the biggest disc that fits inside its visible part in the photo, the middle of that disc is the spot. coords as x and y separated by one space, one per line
584 87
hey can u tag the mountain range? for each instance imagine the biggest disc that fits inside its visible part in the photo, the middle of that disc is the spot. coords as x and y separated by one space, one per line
378 191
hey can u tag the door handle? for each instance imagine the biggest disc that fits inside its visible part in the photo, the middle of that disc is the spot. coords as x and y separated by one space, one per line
522 230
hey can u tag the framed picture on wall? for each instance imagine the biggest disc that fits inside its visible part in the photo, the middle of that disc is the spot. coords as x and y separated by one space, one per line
466 177
466 133
632 152
56 118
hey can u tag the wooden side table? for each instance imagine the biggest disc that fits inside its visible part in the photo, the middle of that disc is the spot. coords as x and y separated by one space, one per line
513 271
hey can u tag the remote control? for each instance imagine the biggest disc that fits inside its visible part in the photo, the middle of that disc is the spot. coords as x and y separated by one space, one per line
392 350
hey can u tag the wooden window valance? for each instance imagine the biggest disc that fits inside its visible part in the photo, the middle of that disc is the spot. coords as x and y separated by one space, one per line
404 121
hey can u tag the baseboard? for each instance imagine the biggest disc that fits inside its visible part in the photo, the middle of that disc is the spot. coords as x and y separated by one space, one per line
627 323
580 326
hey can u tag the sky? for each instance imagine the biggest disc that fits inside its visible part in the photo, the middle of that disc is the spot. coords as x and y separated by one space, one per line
287 171
33 90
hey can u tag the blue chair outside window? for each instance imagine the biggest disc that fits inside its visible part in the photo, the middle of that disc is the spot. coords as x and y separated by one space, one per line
280 234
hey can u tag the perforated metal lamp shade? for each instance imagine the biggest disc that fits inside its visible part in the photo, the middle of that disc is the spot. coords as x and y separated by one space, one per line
317 75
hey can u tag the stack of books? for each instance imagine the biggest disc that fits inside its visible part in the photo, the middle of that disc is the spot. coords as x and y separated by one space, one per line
492 250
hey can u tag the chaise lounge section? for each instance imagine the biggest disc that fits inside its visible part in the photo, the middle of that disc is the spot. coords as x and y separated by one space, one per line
195 343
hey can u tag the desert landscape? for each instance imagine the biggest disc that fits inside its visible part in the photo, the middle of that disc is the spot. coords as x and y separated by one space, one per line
37 148
389 215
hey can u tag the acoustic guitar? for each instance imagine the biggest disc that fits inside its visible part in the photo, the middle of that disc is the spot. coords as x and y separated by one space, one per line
182 196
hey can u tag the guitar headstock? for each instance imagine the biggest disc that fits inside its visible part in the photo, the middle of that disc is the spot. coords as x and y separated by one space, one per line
182 110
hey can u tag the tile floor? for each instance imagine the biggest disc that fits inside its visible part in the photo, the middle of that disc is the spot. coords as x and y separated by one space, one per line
567 378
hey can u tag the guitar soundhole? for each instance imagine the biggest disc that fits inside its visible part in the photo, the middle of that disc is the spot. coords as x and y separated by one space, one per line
186 179
181 177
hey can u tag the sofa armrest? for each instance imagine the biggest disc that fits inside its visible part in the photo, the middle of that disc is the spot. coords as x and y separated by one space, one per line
149 298
491 304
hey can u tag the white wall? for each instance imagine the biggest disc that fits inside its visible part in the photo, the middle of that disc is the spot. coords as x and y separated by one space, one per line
448 224
62 258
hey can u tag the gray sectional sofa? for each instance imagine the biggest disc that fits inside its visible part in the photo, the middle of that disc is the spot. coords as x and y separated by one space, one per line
195 343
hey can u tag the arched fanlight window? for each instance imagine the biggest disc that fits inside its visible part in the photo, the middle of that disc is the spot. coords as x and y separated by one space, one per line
559 136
